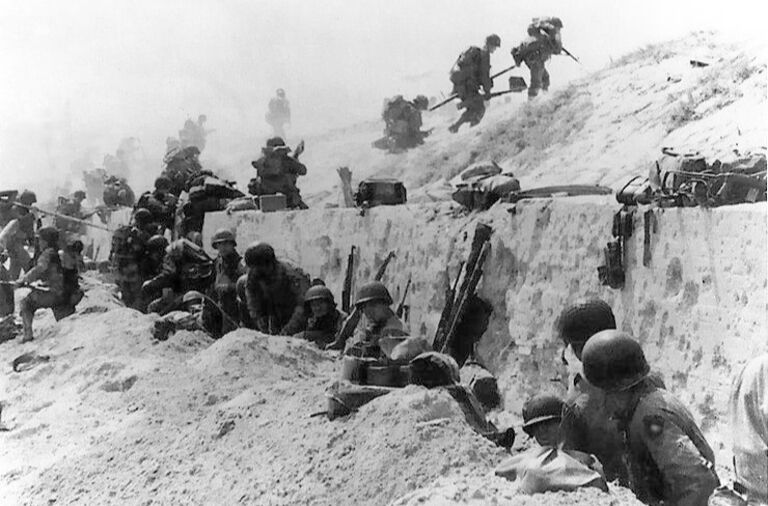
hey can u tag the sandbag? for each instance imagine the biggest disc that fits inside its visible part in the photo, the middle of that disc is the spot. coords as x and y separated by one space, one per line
546 469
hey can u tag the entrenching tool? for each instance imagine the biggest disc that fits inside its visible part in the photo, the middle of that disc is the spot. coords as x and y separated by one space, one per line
494 76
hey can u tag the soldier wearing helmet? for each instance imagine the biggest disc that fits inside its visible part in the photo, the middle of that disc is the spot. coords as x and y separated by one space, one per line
586 426
402 123
47 270
278 172
325 320
129 258
669 460
279 113
471 72
17 227
543 41
274 292
186 267
228 267
374 300
161 203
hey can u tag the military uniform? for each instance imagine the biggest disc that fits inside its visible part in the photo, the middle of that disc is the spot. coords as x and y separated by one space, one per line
403 123
128 252
670 462
323 330
365 341
163 208
276 304
542 42
471 72
277 173
186 267
47 269
227 271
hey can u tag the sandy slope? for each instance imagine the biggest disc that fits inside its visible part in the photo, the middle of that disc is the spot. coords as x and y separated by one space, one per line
114 418
601 129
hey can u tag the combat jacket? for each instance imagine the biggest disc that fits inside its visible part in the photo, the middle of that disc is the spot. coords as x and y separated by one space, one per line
670 462
323 330
47 269
185 267
276 303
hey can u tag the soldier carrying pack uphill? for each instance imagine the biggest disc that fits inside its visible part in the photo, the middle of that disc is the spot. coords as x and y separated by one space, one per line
402 120
472 71
279 113
543 41
277 172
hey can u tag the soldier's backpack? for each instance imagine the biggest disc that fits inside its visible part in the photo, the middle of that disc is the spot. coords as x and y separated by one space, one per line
548 27
466 64
380 192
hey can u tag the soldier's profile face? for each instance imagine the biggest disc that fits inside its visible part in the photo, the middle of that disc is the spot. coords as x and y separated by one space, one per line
547 433
375 311
225 248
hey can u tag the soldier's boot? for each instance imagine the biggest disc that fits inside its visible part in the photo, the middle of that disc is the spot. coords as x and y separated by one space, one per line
27 317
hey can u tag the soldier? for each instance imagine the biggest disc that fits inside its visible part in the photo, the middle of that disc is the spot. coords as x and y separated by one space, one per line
17 222
48 270
472 71
71 265
668 458
186 267
749 424
161 203
279 113
277 173
274 292
543 41
374 300
587 427
403 122
193 315
127 255
228 266
325 320
117 192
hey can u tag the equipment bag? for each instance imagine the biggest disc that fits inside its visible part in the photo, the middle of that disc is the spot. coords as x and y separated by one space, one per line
380 192
546 469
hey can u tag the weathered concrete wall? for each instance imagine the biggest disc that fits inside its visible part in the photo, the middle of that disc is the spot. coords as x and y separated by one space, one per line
699 307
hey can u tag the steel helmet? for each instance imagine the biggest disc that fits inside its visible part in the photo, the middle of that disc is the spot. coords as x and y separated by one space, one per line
49 235
27 197
280 92
541 408
192 296
319 292
375 290
157 243
223 235
142 216
79 194
275 142
493 40
580 321
259 254
613 361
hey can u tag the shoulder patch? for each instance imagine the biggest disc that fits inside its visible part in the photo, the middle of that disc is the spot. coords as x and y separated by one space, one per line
654 426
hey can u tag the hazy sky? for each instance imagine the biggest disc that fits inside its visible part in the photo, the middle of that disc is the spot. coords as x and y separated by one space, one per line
79 75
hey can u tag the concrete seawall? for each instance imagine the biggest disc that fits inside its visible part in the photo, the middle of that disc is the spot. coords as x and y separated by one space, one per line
699 306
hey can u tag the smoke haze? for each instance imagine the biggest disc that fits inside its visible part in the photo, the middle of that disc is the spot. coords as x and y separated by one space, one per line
80 76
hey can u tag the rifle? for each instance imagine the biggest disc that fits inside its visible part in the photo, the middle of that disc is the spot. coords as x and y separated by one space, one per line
350 324
571 55
401 307
455 95
19 284
456 302
464 298
445 315
57 215
346 292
